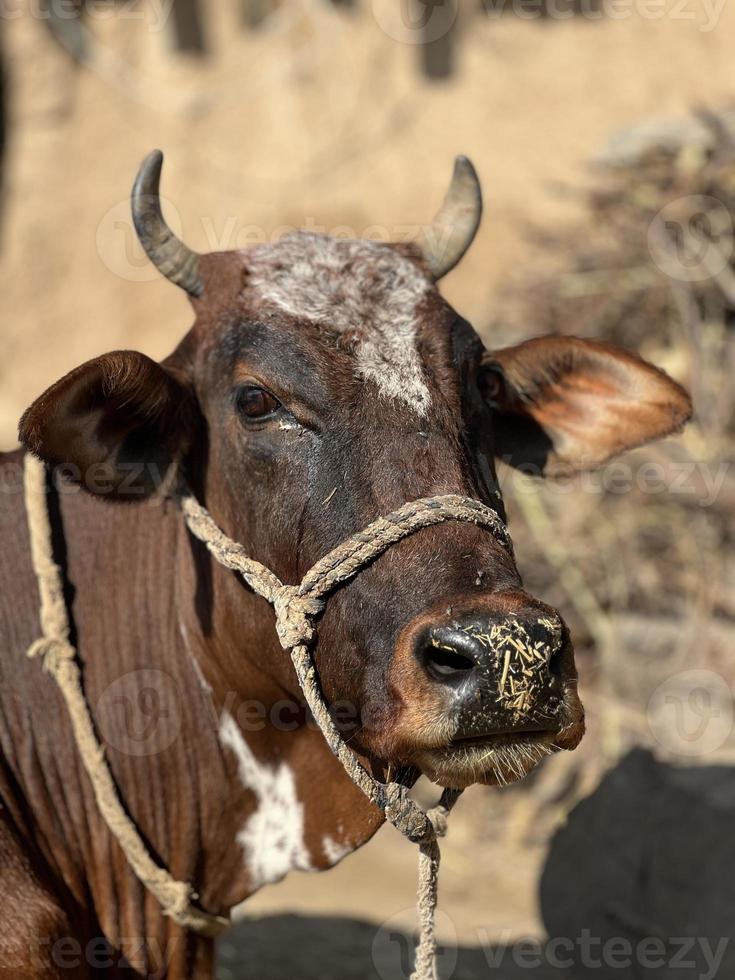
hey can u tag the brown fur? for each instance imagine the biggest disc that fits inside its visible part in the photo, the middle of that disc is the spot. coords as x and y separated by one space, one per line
144 596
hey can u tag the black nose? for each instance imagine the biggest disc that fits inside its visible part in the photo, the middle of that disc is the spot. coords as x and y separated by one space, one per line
499 675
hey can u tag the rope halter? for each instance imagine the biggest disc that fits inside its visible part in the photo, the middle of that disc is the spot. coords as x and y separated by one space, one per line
296 609
297 606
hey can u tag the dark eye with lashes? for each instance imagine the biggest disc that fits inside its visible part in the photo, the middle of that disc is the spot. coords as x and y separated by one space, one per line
254 403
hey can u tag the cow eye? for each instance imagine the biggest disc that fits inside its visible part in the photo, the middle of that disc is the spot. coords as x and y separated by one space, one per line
256 403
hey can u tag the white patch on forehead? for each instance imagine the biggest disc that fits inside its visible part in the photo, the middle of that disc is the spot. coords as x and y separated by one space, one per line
365 288
273 836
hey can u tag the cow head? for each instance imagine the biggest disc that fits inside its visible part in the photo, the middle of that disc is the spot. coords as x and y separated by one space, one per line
325 382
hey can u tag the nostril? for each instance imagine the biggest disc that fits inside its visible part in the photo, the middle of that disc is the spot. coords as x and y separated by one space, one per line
555 663
445 664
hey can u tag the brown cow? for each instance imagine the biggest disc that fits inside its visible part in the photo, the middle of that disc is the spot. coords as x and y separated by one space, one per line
324 382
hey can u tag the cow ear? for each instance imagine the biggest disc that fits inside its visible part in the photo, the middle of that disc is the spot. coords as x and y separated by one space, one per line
115 424
563 404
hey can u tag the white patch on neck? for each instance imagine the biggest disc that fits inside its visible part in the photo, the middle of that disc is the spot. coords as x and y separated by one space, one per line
362 287
334 851
273 836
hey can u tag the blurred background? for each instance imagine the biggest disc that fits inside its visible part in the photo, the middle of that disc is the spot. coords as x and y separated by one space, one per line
603 134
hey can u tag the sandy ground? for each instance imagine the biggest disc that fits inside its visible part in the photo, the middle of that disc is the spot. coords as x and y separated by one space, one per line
319 120
357 920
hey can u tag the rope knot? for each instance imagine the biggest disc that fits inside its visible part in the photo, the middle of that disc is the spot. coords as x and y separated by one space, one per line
438 817
53 650
293 616
406 816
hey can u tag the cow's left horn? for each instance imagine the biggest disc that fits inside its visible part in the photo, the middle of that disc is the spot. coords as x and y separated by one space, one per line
169 255
446 240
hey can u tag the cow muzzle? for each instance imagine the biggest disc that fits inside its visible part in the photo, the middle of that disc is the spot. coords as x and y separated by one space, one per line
498 676
486 694
297 608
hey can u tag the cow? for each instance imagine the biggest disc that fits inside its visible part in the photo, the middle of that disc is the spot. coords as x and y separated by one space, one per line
324 382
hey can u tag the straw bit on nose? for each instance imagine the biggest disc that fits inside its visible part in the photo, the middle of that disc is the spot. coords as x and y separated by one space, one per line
525 659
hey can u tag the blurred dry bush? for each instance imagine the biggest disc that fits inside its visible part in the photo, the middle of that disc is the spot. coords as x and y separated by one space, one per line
640 555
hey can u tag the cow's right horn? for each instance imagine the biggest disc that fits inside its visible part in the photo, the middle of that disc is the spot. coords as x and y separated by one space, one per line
446 240
170 256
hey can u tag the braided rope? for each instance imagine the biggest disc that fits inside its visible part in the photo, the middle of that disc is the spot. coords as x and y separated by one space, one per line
296 607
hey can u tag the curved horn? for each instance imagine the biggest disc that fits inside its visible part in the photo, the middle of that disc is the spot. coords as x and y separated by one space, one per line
446 240
169 255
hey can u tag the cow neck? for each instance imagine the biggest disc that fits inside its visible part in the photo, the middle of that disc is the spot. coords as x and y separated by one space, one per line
296 607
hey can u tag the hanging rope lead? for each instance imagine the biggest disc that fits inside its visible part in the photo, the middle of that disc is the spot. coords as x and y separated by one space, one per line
296 607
